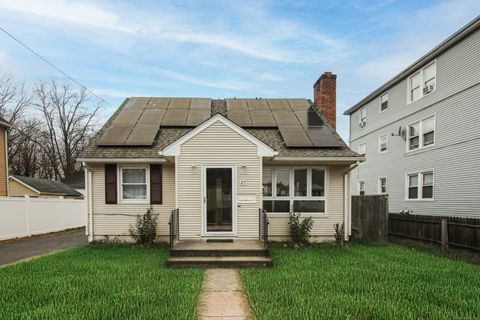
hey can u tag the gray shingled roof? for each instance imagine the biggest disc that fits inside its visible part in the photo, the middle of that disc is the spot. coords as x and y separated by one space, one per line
49 187
4 123
75 180
166 136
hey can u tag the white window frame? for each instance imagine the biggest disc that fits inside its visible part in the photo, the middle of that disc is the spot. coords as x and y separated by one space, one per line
380 103
420 175
291 196
380 185
379 143
360 118
358 186
420 132
365 154
421 71
120 185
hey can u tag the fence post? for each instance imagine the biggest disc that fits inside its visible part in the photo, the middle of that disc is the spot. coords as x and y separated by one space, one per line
27 214
444 235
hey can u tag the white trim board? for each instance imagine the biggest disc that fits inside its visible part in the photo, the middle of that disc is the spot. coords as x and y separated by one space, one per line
173 149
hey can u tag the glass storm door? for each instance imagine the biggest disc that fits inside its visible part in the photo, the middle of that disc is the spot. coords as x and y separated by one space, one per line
218 199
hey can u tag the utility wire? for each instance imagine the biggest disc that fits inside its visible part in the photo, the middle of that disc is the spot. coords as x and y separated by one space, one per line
52 65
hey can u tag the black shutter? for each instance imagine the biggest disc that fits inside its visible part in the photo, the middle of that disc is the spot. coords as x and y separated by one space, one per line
110 183
156 184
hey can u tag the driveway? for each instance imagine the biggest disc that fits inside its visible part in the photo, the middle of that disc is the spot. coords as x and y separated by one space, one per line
14 250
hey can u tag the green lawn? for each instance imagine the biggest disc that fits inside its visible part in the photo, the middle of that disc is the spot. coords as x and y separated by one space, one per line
362 282
99 282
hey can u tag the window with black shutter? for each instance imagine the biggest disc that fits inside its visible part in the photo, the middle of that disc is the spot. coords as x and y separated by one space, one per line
110 183
156 184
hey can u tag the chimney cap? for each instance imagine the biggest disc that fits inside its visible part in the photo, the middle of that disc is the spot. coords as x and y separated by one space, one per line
325 75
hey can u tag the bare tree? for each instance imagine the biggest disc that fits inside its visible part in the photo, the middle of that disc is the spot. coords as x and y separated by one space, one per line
67 114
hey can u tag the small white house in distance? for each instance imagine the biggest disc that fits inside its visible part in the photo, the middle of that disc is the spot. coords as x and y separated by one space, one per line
220 163
420 132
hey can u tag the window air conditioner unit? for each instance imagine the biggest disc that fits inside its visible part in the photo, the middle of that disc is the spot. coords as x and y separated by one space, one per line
428 89
362 123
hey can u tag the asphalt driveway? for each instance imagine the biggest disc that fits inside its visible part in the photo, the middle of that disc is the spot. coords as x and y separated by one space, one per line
14 250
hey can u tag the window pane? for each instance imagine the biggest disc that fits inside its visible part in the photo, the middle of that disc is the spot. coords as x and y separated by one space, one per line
362 149
267 182
428 138
300 182
283 182
134 175
318 183
361 188
413 193
384 102
414 130
279 206
363 113
427 192
413 143
309 206
415 81
413 181
429 72
383 185
428 179
137 192
383 143
428 125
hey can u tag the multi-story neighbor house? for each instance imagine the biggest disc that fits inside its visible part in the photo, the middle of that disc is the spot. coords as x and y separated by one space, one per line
420 132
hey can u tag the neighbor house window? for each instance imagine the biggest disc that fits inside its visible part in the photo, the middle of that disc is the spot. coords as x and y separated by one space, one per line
133 184
267 182
384 102
420 185
363 117
382 143
382 185
421 134
361 188
300 189
422 82
362 150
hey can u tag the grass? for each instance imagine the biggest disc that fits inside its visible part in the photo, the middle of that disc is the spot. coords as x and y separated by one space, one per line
99 282
362 282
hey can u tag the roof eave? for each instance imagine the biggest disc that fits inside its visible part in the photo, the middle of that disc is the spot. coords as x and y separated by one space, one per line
443 46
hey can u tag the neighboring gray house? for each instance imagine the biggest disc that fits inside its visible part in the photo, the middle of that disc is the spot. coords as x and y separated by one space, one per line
420 132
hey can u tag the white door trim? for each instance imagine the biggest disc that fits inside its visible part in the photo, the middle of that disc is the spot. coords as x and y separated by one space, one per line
203 179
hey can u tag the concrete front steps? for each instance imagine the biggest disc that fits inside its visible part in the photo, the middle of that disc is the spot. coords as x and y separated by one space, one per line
236 254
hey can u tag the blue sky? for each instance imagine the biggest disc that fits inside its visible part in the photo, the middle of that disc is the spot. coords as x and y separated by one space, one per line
225 48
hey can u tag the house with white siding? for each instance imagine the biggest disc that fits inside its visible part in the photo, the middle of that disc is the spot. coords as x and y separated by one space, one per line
420 132
220 168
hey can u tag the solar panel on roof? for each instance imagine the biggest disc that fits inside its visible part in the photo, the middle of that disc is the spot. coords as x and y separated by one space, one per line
286 118
158 103
323 137
115 135
152 116
257 105
174 118
180 103
142 135
309 118
200 104
195 117
299 104
237 104
127 116
278 105
136 103
263 119
242 118
295 136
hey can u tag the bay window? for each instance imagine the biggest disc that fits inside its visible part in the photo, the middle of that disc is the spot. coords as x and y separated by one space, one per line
421 134
420 186
298 189
133 184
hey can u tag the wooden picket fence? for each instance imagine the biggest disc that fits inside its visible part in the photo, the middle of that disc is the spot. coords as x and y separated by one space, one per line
370 218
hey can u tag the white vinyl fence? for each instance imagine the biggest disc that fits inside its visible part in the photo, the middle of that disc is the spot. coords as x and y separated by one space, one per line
23 217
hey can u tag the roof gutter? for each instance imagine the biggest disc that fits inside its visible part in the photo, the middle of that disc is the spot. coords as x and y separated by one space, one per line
443 46
122 160
329 159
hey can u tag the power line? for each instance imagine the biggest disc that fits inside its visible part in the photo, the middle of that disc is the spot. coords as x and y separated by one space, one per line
52 65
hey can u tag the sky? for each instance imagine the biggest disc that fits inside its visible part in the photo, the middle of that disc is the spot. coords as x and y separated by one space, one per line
221 49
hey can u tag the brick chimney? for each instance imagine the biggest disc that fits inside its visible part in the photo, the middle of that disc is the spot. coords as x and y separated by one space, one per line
325 96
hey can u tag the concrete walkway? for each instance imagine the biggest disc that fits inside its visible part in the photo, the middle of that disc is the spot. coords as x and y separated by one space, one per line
222 296
19 249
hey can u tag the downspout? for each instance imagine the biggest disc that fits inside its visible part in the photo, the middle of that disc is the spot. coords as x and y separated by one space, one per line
346 202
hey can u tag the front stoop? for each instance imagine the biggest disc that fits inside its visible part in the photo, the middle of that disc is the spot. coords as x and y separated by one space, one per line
239 254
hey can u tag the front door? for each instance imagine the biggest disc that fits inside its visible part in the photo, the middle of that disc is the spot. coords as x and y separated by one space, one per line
218 200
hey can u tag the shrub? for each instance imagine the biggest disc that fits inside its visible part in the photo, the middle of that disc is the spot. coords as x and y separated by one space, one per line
300 230
145 229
